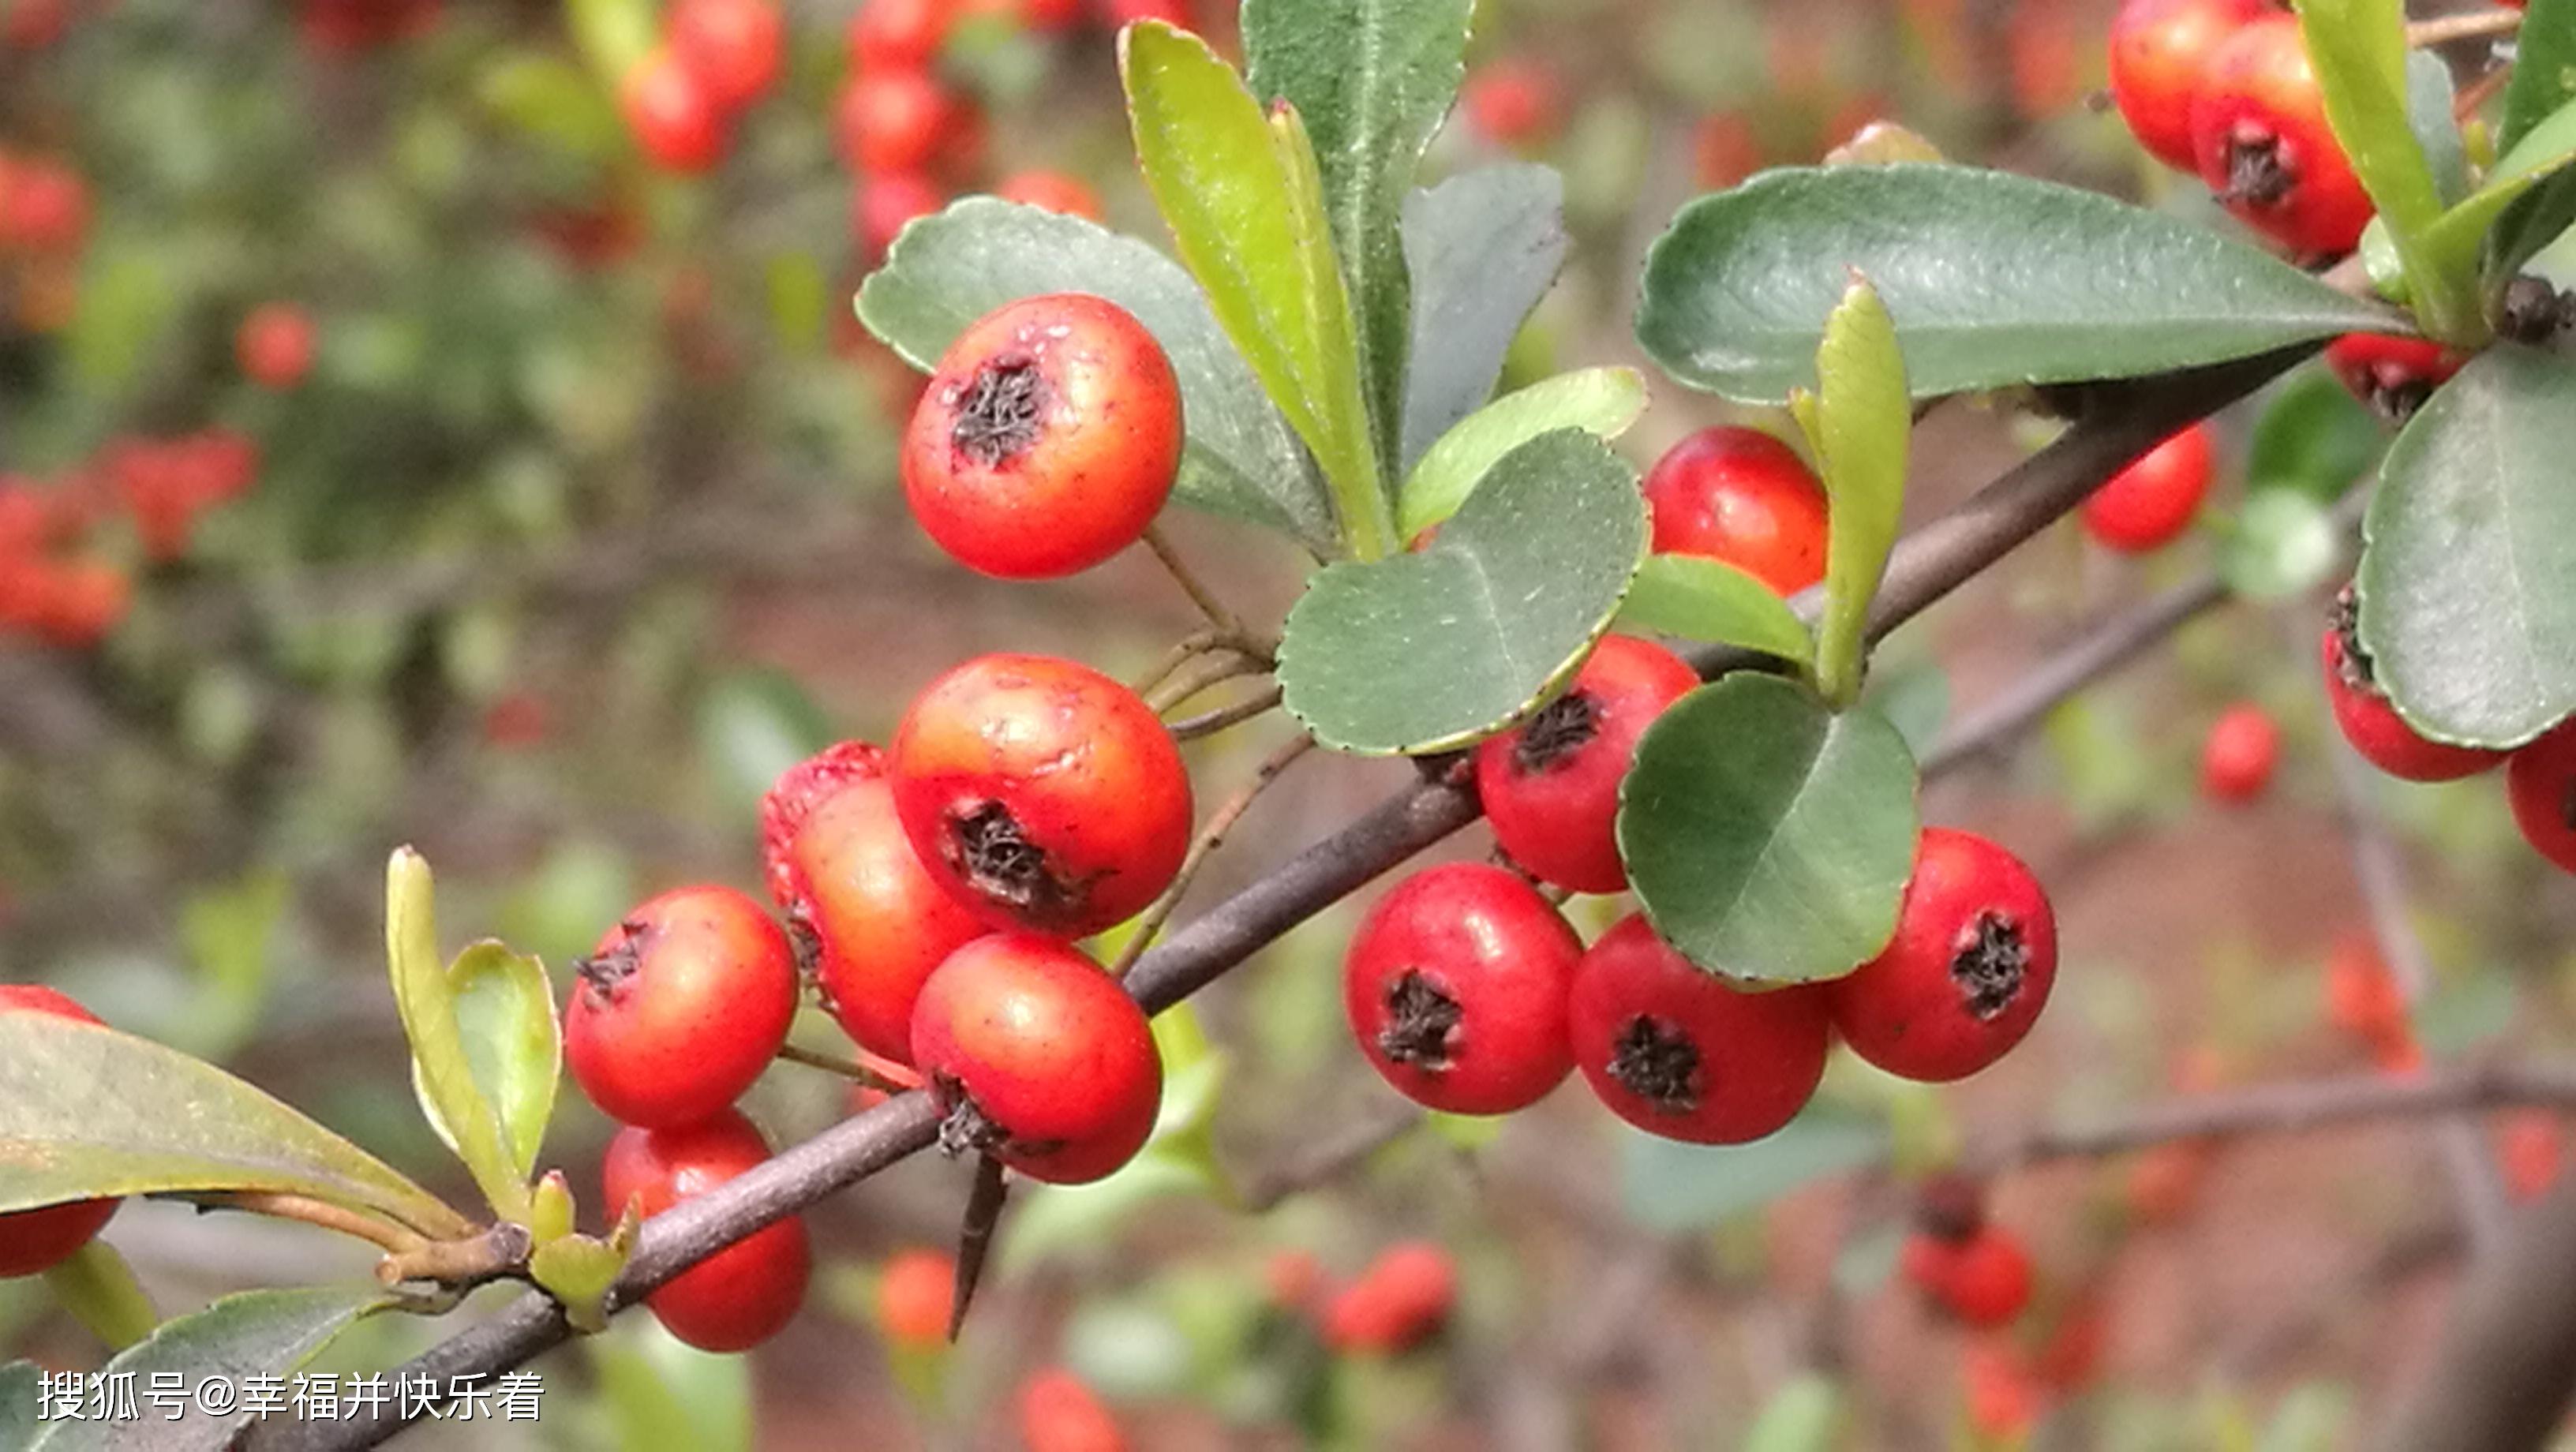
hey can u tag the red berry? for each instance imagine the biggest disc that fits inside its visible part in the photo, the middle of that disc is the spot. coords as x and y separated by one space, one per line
2541 782
1047 440
2160 56
898 120
275 345
1515 102
1680 1052
2150 503
743 1294
1551 784
2260 136
38 1240
1970 966
733 47
2363 713
1038 1058
841 867
1982 1278
1120 13
913 1297
1052 190
2362 996
2236 760
883 205
44 208
674 117
1455 985
2393 375
1042 794
1725 150
33 24
893 35
84 599
2165 1180
1744 497
2530 1148
1400 1301
2003 1398
680 1007
1057 1413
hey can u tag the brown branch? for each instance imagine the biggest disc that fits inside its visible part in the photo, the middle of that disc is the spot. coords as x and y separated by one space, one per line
500 1251
1227 623
1209 723
1214 670
1211 837
1328 1160
2502 1376
2489 24
377 1231
850 1069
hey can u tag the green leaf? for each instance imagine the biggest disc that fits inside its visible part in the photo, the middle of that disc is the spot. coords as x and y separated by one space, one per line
1430 651
2284 544
1670 1186
98 1288
756 723
87 1111
663 1395
2313 437
613 34
1767 837
1243 197
947 270
1372 78
2544 69
506 1013
253 1334
1483 247
443 1068
1704 599
2430 100
2358 48
1993 280
1804 1416
1861 423
20 1386
1603 402
2468 585
2458 236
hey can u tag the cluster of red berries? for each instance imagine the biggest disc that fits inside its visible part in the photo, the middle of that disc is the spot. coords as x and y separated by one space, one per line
1975 1271
715 59
32 1241
44 223
61 579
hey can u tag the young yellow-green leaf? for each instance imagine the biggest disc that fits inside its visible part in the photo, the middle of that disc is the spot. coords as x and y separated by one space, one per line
1704 599
253 1334
443 1069
2455 239
551 1214
1603 402
505 1017
577 1270
99 1289
1245 206
1859 426
613 34
86 1111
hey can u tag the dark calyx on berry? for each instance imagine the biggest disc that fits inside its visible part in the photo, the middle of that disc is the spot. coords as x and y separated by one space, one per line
1558 731
1951 1207
806 943
2256 173
1422 1027
1002 412
1990 964
2345 621
967 1127
1658 1064
2532 311
988 847
605 973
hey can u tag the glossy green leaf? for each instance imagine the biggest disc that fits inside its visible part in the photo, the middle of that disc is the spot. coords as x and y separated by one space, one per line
1859 425
1372 79
1704 599
252 1334
2468 586
2313 436
1670 1186
87 1111
443 1066
505 1014
1430 651
947 270
2544 69
2284 544
1992 279
1603 402
1482 247
1768 837
2545 152
99 1289
1243 198
2358 48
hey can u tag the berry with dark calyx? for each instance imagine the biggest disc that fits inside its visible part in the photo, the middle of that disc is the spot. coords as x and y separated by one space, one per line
2237 758
2534 312
2149 504
1455 985
680 1007
2541 783
1965 976
2391 374
2260 136
40 1239
1037 1058
1399 1302
913 1295
873 920
675 120
743 1294
1047 439
1058 1413
734 47
2363 713
1680 1052
1041 794
2160 55
275 345
1551 784
1743 497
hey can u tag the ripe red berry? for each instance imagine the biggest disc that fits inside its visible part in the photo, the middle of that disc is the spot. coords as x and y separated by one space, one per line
2236 760
734 47
1741 496
1057 1413
2541 782
1052 190
1965 976
894 35
1047 439
275 345
1679 1052
743 1294
33 24
2363 713
898 121
1551 784
673 116
83 599
2165 1180
680 1007
1982 1278
913 1296
1516 102
1038 1058
875 919
2393 375
2362 996
2260 136
1725 149
38 1240
2150 503
883 205
1399 1302
1119 13
1042 794
2530 1150
2003 1398
44 208
2160 56
1455 984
